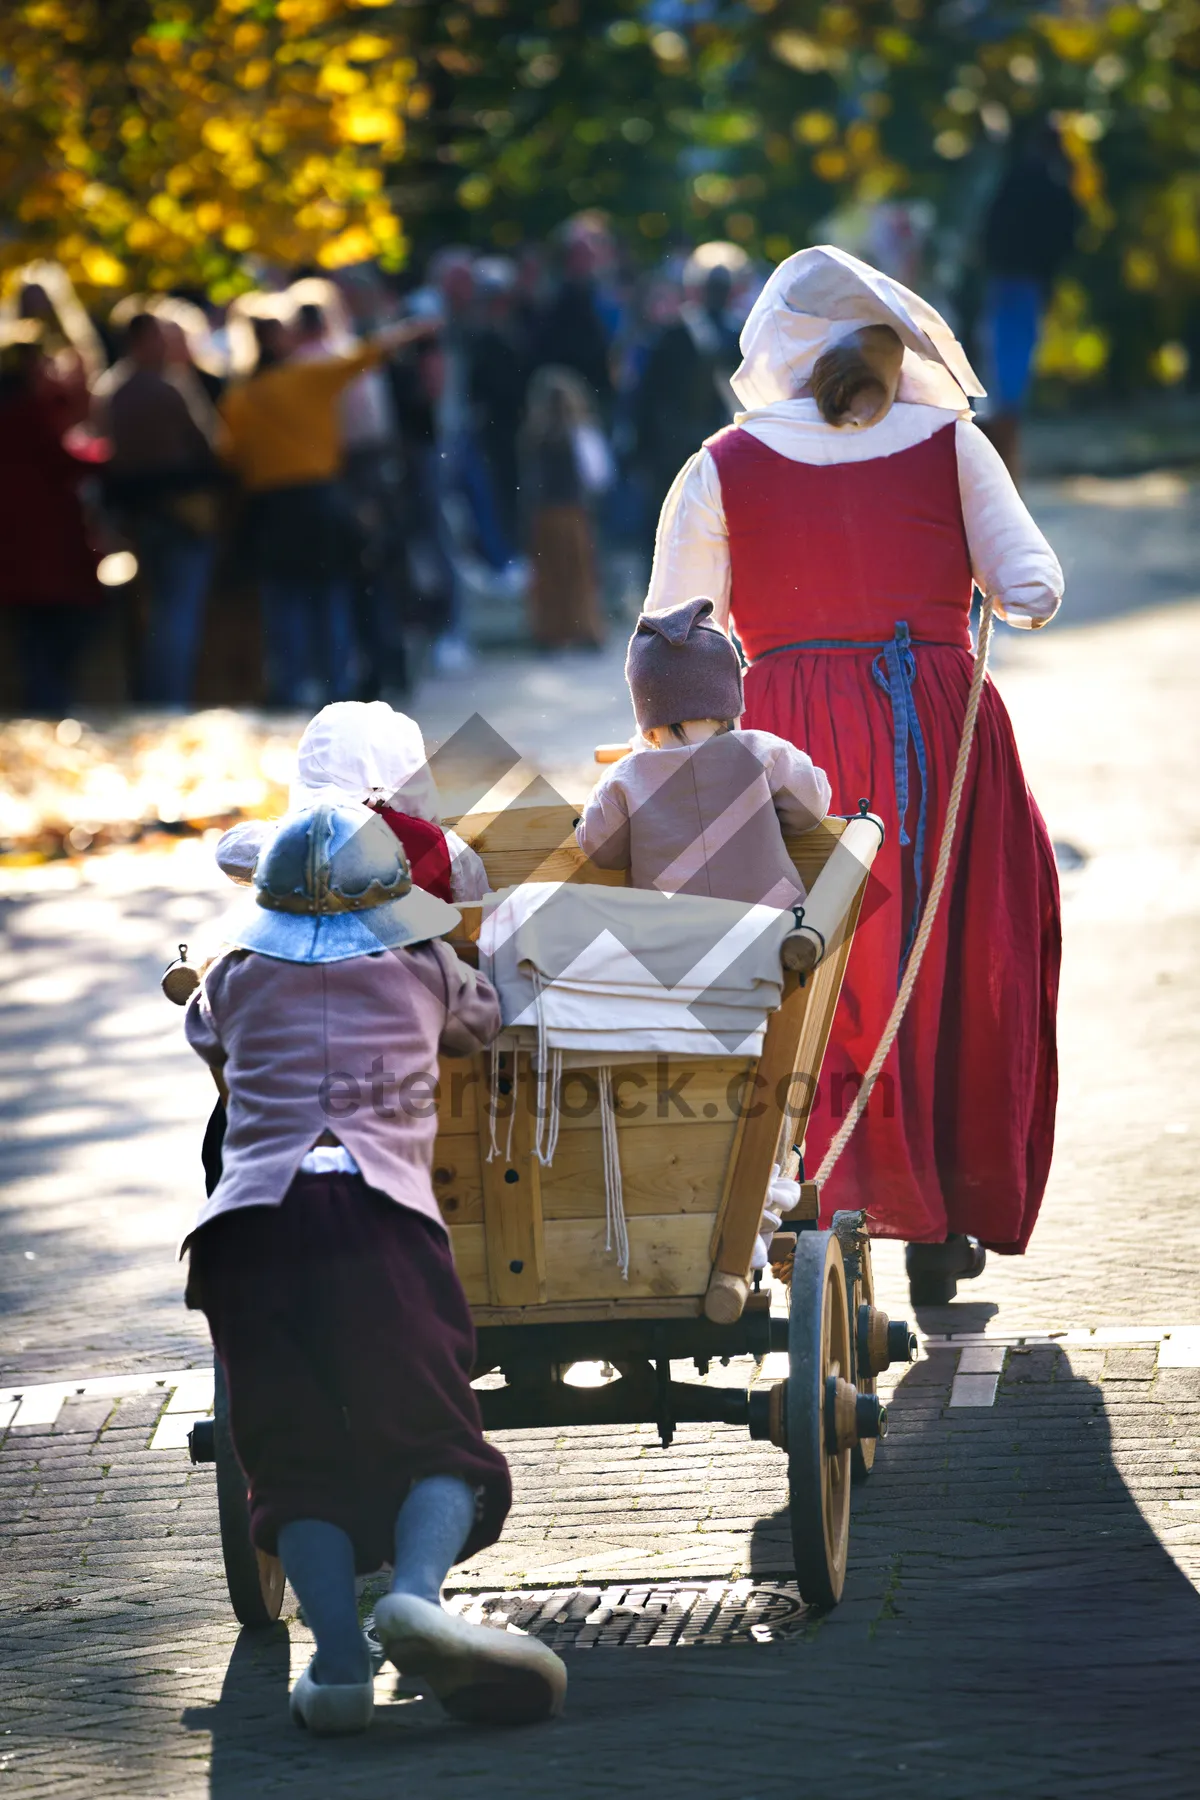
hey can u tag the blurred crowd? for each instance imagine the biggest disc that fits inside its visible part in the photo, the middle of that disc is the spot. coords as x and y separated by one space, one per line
350 473
318 490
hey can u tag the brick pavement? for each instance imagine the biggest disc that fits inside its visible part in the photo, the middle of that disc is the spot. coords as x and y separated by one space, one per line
1018 1619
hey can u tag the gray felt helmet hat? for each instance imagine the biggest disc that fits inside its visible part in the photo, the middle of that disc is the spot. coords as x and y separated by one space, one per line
682 666
333 883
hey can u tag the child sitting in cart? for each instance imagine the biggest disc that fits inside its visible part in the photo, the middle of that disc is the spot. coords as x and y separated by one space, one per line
699 806
325 1272
366 753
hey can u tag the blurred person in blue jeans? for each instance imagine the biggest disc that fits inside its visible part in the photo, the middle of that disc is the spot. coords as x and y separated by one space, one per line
1028 234
284 442
162 482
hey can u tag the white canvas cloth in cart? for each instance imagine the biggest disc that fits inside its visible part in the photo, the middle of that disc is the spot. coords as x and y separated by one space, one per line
625 969
598 975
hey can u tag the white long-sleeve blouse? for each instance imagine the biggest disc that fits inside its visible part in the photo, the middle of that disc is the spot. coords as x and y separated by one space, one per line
1010 559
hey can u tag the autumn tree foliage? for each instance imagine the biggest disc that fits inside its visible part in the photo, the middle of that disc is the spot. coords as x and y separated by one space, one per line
154 143
166 142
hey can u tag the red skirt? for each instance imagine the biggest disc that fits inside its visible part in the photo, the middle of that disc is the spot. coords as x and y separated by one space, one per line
347 1345
959 1131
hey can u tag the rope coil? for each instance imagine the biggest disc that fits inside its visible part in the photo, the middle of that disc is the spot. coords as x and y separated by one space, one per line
925 929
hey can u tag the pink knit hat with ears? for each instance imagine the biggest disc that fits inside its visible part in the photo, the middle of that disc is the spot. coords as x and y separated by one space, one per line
680 667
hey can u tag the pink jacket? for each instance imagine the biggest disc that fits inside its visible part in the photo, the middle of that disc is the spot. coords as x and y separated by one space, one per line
707 818
348 1047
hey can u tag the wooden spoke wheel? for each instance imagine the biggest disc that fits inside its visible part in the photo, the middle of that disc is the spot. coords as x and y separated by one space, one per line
255 1580
818 1480
862 1457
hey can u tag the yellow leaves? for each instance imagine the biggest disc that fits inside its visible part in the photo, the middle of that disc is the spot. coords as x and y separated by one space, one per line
1170 363
141 234
321 215
474 192
336 78
222 135
1074 39
248 127
367 48
814 127
365 122
1139 269
831 165
305 15
1077 133
894 46
51 15
354 245
1183 246
862 140
1071 346
101 269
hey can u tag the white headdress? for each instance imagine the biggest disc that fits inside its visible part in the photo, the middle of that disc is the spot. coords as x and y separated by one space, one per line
819 296
363 750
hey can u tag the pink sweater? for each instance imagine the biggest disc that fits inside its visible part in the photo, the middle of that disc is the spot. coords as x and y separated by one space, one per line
348 1047
707 818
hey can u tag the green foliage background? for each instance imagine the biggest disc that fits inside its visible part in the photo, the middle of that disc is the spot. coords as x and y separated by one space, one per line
680 119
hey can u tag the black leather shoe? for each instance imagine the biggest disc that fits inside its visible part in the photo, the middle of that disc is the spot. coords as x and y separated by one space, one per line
935 1270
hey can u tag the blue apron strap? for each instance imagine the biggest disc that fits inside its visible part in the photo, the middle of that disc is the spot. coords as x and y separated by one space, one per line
894 670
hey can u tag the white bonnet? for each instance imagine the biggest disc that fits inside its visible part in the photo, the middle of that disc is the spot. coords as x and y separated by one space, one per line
364 750
819 296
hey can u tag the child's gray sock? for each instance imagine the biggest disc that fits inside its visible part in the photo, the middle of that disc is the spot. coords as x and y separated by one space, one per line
318 1559
431 1528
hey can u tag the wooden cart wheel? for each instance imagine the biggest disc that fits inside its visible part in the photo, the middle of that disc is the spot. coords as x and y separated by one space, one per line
255 1580
862 1457
818 1481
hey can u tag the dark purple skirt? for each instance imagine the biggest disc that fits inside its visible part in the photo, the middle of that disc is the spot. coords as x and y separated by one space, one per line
347 1344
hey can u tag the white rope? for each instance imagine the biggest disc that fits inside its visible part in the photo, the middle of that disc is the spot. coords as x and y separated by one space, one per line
512 1111
493 1100
549 1082
555 1105
928 916
616 1235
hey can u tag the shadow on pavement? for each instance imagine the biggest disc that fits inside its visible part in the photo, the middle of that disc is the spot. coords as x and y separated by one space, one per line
1012 1614
1011 1626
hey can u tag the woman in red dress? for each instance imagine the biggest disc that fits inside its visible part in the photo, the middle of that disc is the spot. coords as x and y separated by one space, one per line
843 555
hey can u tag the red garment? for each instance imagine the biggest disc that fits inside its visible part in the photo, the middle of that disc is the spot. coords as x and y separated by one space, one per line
959 1132
426 849
45 556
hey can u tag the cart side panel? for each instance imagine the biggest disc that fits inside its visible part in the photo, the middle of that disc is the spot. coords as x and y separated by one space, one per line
797 1037
679 1122
537 843
668 1257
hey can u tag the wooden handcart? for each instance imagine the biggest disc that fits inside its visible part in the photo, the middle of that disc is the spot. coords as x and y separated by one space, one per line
699 1140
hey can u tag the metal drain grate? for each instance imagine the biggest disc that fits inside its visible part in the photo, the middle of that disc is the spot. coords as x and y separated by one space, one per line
643 1615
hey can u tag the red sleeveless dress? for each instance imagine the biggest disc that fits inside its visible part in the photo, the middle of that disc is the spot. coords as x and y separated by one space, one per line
851 592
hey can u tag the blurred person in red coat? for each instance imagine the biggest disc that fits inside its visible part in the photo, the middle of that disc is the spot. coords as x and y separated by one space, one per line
48 563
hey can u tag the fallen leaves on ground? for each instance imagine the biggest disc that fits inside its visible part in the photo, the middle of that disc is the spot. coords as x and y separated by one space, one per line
70 787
